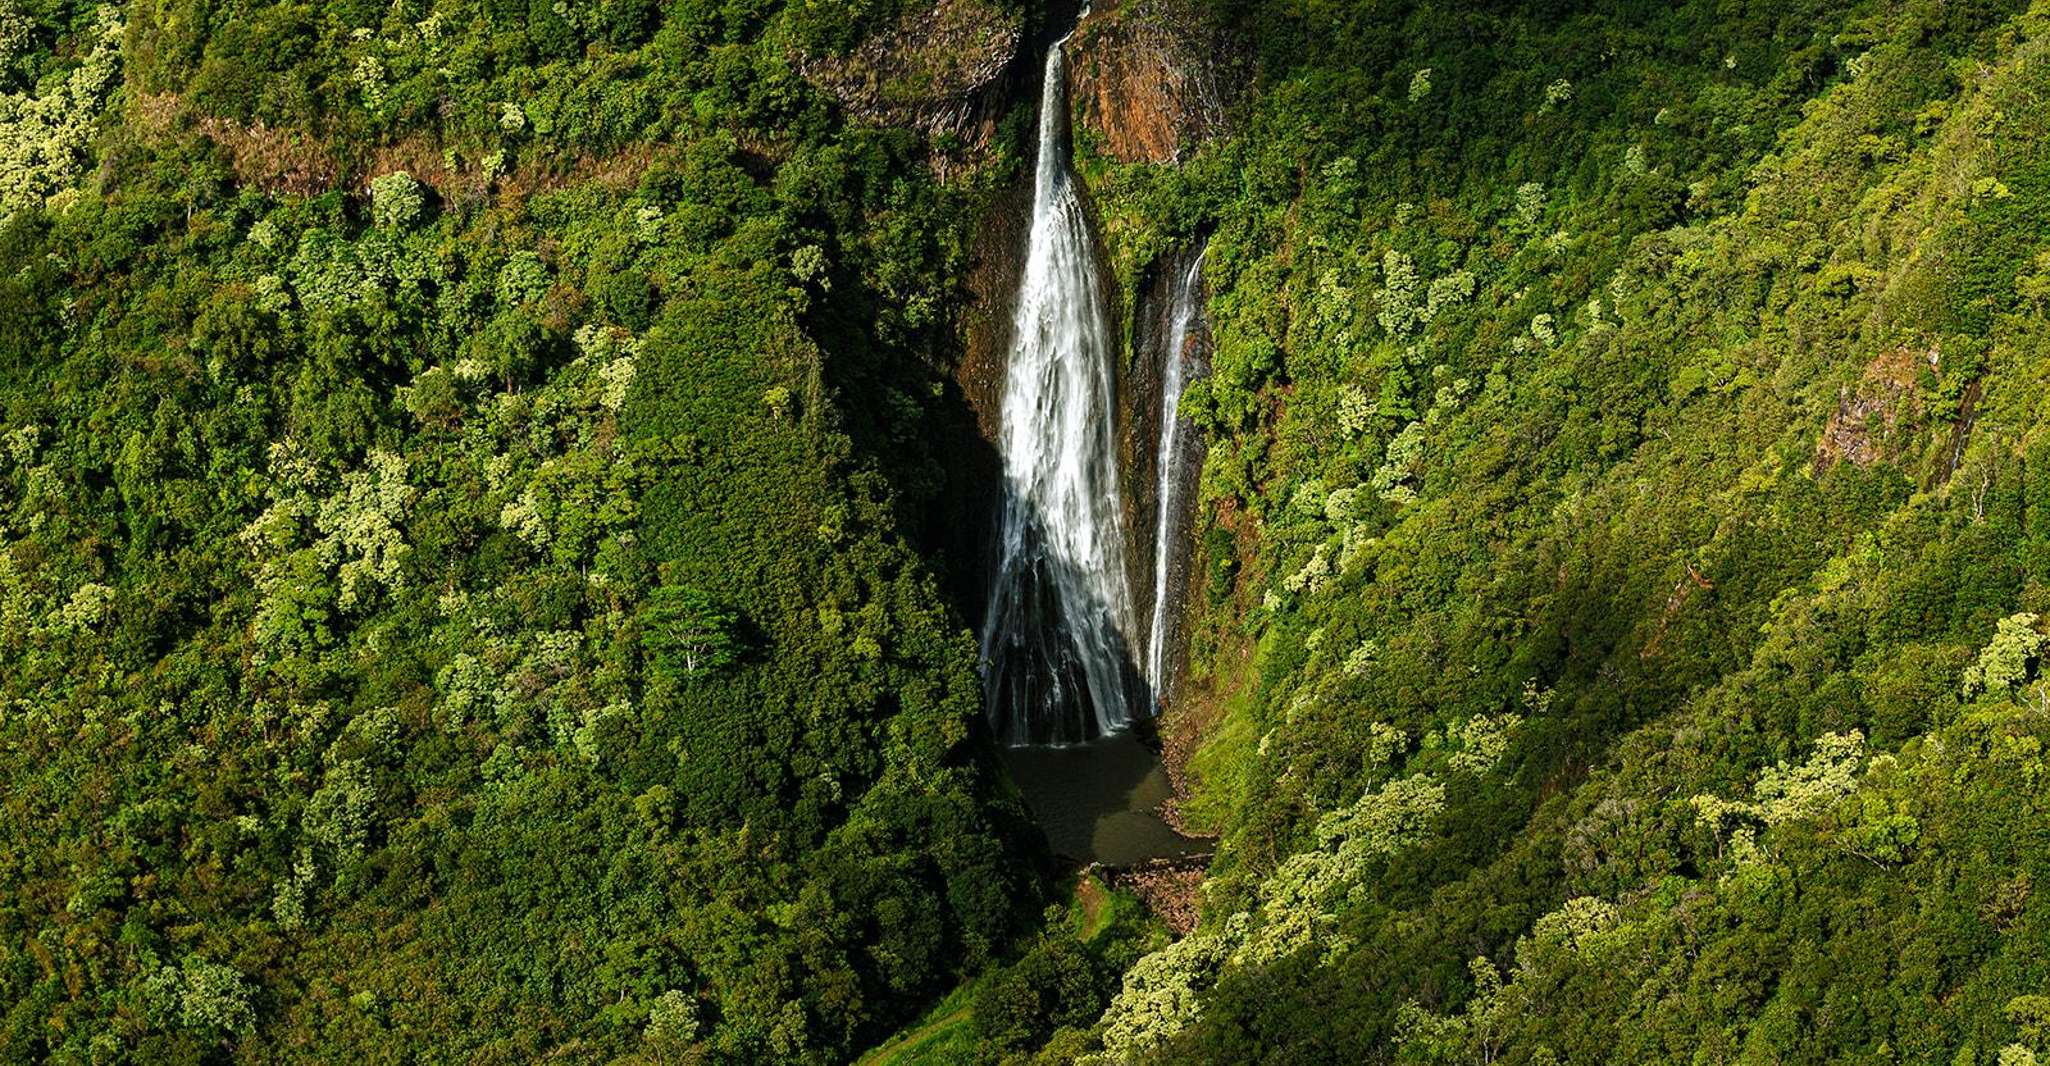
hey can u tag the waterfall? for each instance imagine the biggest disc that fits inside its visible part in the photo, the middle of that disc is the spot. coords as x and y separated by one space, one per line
1185 301
1056 642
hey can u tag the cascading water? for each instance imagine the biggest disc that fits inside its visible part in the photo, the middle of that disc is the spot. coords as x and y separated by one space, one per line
1176 359
1056 640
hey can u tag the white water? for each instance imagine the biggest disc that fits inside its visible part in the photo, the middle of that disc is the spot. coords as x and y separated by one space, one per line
1056 642
1186 299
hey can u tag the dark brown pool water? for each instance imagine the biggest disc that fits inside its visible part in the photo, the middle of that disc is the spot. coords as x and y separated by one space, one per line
1096 802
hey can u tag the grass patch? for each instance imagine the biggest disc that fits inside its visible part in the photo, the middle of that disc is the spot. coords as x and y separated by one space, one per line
945 1035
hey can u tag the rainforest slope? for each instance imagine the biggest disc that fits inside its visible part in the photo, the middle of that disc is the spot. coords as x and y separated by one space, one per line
1626 536
459 597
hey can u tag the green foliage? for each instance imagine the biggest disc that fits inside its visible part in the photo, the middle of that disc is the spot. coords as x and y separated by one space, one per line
45 131
406 571
1620 418
1056 984
2005 663
832 26
686 633
395 200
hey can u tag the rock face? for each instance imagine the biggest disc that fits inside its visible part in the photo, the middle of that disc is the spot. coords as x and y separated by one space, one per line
1170 888
939 70
1150 78
1170 349
1873 417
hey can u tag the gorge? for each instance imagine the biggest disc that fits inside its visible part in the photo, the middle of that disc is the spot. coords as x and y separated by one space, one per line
985 533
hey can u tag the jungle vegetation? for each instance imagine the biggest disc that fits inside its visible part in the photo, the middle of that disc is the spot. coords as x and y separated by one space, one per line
475 483
1626 538
459 595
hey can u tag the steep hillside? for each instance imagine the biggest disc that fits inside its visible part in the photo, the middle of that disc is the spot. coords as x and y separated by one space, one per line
491 493
457 588
1625 540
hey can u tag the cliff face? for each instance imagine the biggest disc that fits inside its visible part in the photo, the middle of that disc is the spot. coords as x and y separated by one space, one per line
1156 342
1150 78
940 70
1873 419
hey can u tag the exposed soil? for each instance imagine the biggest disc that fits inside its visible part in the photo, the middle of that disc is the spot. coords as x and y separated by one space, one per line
1873 417
1170 888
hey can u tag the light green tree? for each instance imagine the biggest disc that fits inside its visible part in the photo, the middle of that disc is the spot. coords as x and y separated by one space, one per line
673 1018
1530 202
1788 793
199 994
2005 663
396 201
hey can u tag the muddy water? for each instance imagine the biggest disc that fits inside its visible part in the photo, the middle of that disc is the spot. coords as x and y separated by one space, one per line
1096 801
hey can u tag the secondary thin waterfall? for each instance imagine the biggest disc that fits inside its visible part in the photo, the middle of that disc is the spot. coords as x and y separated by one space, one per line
1185 301
1056 642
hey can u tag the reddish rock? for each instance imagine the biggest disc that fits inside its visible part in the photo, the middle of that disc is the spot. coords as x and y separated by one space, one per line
1146 79
1872 417
1170 888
